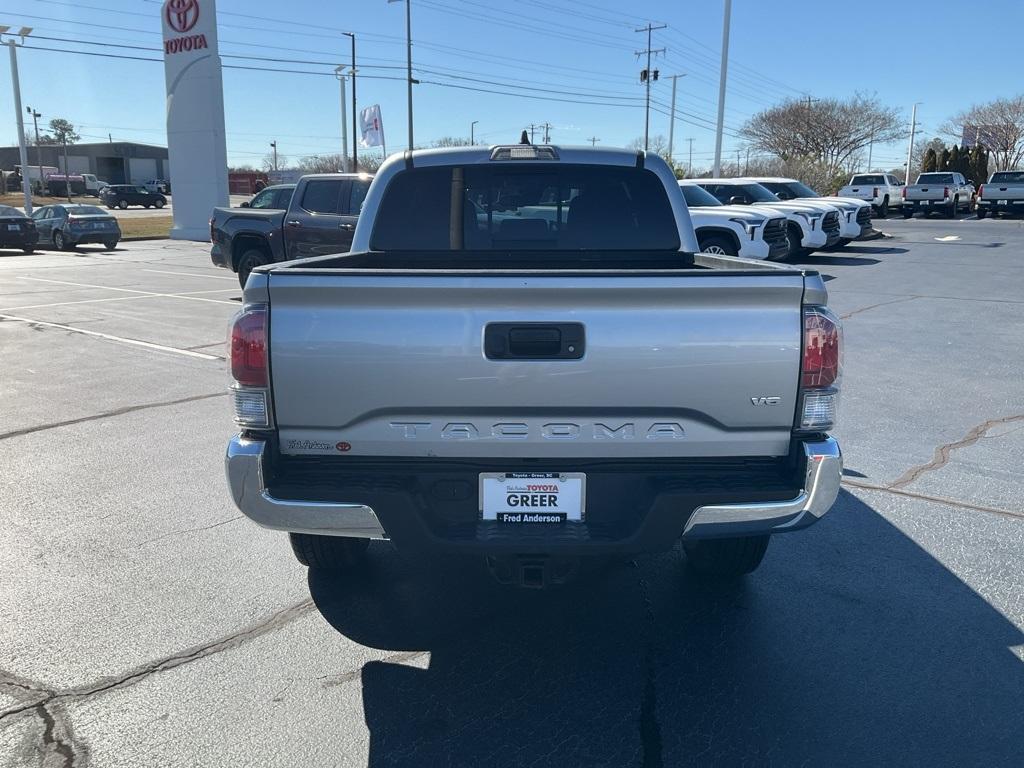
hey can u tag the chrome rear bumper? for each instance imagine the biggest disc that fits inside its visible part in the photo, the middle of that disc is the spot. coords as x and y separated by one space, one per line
821 486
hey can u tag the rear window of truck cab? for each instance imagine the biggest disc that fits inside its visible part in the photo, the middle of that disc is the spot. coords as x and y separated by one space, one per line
525 207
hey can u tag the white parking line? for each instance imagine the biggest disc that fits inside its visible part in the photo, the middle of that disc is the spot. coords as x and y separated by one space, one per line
190 274
136 292
109 337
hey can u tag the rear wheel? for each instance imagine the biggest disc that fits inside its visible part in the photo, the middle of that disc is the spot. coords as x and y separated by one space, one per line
953 207
122 204
60 242
908 212
159 203
329 552
249 260
718 245
28 249
883 209
110 244
981 213
725 558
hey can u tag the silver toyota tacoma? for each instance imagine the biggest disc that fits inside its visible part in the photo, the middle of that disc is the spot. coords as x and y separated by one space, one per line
524 357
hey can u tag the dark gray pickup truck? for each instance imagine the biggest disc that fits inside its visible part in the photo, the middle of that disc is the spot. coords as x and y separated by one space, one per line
319 221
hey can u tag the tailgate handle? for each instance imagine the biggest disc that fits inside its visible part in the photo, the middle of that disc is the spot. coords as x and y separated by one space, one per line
534 341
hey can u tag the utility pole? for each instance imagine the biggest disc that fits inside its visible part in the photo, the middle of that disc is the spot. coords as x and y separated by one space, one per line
340 74
26 188
547 132
913 128
737 161
672 116
472 132
647 77
593 141
67 171
39 150
355 133
808 120
532 128
273 145
689 164
408 57
723 71
746 166
871 146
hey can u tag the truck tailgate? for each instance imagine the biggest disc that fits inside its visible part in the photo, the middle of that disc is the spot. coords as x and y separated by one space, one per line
681 364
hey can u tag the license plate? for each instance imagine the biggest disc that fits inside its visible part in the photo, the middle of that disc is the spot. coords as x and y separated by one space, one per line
98 226
1001 202
925 202
14 227
532 497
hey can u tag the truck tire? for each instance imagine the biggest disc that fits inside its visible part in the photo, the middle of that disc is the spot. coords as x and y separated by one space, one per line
725 558
953 207
883 209
718 245
908 212
248 261
981 213
334 553
793 234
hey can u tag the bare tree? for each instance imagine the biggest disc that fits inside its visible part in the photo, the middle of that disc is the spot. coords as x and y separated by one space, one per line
831 132
999 125
451 141
268 161
322 163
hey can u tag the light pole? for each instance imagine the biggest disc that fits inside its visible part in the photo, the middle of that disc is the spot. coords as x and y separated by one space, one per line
672 117
472 132
26 188
339 72
408 60
39 150
721 88
913 128
273 145
355 134
689 164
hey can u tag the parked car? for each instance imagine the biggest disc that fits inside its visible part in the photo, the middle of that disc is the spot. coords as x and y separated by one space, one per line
93 185
17 230
276 197
67 226
1002 193
811 225
944 192
320 219
855 218
123 195
529 387
882 190
735 230
158 185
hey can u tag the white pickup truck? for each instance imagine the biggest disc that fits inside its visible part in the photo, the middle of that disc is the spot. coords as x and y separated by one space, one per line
1003 193
746 231
882 190
524 357
945 192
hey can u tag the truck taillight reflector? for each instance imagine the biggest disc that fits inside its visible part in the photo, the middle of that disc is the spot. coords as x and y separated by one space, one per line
249 348
945 191
981 190
904 193
822 354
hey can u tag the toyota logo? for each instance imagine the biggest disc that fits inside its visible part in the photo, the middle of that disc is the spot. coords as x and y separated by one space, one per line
181 15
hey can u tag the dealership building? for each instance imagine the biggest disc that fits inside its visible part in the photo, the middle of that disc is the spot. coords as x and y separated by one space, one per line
117 162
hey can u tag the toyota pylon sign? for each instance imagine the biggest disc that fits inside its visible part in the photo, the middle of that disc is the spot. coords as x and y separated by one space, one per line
196 143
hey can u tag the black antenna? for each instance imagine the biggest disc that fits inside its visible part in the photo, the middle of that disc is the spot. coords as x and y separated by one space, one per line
524 139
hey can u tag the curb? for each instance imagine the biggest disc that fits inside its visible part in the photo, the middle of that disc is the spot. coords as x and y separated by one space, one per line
140 238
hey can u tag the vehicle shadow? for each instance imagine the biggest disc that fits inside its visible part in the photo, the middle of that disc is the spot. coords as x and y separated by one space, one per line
830 260
850 646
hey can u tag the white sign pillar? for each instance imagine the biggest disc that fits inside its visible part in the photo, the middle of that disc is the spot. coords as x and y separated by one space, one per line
196 141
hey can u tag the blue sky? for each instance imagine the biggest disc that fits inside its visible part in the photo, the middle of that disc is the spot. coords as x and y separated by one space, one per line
567 53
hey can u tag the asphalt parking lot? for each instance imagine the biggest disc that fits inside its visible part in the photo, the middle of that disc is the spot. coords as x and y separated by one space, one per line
144 622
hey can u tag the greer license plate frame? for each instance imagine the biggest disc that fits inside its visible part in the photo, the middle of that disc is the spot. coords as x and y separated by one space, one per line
533 497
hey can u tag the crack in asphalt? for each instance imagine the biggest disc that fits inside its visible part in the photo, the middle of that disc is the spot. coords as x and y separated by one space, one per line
52 742
108 414
650 731
269 624
937 499
191 530
943 452
874 306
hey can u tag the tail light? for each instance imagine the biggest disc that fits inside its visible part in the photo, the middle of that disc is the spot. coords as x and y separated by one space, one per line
249 367
945 191
981 190
874 192
821 370
904 193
